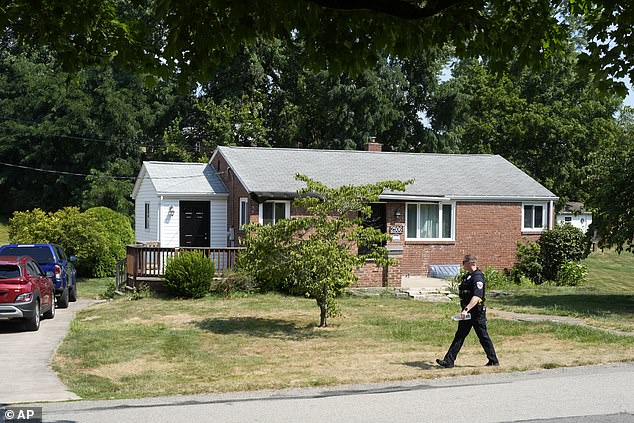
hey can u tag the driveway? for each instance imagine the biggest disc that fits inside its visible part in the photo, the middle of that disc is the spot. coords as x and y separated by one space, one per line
26 374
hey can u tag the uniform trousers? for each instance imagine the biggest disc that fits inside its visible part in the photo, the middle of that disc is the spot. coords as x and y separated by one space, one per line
479 323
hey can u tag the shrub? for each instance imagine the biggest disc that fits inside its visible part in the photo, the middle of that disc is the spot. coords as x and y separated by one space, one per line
560 245
233 281
529 262
496 280
571 273
189 275
118 233
80 234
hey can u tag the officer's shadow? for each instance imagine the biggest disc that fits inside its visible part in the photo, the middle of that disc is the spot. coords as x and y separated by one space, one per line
423 365
426 365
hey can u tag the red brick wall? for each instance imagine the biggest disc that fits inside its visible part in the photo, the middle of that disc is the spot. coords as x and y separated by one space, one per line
490 231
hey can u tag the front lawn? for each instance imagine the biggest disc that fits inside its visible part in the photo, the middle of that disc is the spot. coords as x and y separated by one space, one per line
158 346
606 300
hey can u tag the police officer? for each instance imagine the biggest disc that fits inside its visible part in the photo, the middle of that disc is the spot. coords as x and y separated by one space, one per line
472 290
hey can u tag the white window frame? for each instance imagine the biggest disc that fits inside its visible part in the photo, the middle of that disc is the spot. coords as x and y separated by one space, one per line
544 207
244 212
440 205
146 217
287 210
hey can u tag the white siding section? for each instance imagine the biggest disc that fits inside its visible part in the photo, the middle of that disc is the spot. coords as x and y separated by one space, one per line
170 228
219 222
146 194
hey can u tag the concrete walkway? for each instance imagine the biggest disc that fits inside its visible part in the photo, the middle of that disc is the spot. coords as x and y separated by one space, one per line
522 317
26 374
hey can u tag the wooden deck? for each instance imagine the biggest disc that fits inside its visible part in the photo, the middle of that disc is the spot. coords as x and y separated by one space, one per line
145 262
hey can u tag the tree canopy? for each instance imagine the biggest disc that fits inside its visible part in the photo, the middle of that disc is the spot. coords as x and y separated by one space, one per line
192 37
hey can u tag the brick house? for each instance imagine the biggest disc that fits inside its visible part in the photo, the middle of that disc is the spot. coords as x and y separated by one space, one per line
458 204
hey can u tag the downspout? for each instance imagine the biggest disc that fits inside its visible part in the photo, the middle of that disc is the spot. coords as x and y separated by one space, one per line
551 215
158 223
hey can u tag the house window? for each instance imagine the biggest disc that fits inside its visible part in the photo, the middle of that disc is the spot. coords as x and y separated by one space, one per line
244 212
534 218
273 211
568 219
430 221
147 216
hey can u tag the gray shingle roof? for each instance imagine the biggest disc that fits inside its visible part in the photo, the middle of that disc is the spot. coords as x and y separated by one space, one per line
184 178
272 170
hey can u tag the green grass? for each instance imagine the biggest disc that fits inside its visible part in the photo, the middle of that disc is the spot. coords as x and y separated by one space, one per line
159 346
606 299
92 289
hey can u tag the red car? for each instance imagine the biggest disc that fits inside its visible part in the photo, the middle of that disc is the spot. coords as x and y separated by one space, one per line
26 292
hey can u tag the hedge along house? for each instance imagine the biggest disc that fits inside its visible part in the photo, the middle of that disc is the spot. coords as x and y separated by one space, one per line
458 204
180 205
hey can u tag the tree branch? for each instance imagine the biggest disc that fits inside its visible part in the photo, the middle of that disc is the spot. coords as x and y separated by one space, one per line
402 9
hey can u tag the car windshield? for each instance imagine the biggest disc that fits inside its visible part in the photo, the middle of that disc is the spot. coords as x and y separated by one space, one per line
9 271
41 255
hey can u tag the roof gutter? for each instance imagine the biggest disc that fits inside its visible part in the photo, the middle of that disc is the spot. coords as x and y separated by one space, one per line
404 197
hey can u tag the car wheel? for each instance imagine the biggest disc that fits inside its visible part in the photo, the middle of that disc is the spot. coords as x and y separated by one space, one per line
51 313
62 301
72 297
33 323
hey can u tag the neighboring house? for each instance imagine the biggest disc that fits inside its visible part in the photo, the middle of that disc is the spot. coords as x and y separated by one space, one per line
575 214
457 204
180 205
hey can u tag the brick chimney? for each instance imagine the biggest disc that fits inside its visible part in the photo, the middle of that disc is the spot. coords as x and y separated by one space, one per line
372 145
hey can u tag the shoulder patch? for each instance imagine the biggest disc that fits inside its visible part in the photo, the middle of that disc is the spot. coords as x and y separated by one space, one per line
480 285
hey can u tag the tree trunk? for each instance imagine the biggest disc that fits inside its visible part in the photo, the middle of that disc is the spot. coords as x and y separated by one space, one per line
323 308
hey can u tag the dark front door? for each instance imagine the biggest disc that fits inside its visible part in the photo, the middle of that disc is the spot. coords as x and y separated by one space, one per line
377 220
194 223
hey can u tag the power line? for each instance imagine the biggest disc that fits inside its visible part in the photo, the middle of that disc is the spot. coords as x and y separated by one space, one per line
132 178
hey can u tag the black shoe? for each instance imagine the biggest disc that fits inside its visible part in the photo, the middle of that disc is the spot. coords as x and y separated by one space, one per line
443 363
491 363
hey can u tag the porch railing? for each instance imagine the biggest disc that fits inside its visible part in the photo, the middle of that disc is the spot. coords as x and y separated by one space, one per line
150 261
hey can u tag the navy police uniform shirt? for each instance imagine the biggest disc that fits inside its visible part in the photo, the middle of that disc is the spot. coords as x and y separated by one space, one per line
472 284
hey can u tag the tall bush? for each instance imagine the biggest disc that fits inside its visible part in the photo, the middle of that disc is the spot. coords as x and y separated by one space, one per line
529 262
83 235
118 232
189 275
562 244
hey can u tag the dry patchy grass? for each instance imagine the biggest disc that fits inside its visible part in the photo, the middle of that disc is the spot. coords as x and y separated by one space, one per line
161 347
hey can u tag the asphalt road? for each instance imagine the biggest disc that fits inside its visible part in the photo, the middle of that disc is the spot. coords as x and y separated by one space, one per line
25 375
582 394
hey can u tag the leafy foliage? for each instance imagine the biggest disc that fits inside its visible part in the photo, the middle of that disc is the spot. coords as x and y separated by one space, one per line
80 234
189 275
92 122
571 273
191 38
529 263
612 173
547 122
118 232
234 282
560 245
314 255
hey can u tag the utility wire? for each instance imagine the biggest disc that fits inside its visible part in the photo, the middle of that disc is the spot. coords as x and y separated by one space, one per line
132 178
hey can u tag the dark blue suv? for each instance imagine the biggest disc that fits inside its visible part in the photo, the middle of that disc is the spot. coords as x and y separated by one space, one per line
51 258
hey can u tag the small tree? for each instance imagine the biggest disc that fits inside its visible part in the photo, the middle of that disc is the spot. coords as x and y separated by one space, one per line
314 254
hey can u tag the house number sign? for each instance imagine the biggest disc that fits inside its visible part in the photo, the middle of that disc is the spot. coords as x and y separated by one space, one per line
396 229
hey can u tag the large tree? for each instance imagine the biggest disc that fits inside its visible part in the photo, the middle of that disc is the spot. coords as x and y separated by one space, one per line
194 36
55 128
548 123
611 195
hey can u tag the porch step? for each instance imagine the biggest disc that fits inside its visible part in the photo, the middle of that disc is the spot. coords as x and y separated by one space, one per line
440 294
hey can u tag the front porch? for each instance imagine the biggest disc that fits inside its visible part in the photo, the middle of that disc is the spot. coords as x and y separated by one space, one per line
146 263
